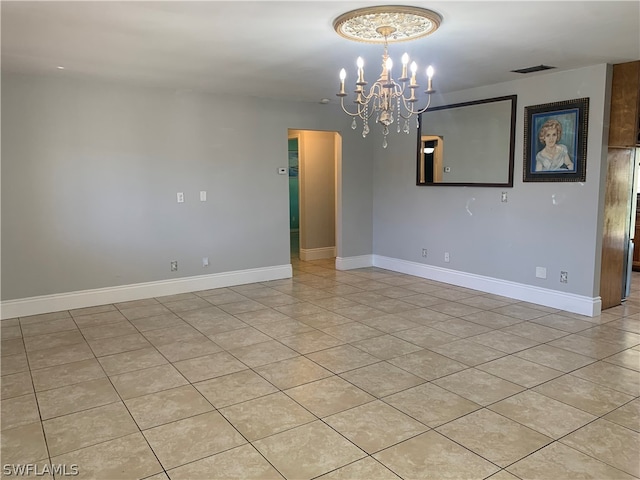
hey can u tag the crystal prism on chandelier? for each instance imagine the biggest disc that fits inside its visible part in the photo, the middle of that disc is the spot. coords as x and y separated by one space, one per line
390 100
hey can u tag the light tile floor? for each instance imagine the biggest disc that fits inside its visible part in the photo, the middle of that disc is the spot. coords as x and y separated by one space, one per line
364 374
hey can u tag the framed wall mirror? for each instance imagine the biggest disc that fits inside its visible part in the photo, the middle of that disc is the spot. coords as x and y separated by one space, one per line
468 144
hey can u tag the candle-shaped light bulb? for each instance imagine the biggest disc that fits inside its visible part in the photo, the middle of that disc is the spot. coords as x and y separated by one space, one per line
405 61
343 75
360 64
414 70
430 76
389 64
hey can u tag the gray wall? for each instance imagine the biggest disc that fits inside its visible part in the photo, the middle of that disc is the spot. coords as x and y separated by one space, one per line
90 173
552 225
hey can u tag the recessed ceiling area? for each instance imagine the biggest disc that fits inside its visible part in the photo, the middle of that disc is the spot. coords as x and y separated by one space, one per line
290 49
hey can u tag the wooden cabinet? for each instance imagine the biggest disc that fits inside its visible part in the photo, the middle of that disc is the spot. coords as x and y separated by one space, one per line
619 218
624 124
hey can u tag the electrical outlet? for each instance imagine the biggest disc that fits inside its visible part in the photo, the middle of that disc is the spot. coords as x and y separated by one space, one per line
446 257
503 198
564 277
424 252
205 261
180 197
174 266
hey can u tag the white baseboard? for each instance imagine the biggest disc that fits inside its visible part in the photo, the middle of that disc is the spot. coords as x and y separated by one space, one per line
101 296
307 254
350 263
589 306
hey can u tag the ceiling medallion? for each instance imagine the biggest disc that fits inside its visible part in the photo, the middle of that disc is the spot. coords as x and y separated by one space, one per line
386 97
386 24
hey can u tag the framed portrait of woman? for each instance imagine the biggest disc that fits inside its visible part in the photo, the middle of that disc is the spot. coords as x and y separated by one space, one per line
555 141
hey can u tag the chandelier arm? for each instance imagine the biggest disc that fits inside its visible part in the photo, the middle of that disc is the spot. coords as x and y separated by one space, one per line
415 112
357 114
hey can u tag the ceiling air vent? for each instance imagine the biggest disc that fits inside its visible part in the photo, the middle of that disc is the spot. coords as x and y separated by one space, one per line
538 68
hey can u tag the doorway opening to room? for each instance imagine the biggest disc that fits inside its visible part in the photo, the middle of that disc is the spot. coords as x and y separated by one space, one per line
314 177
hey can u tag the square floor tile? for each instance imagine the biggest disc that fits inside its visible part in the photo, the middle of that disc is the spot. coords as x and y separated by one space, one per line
612 376
328 396
520 371
113 345
308 451
610 443
627 358
520 311
75 398
375 426
167 406
193 438
431 404
352 331
478 386
389 323
309 342
190 348
88 427
504 342
158 321
24 444
12 347
494 437
162 336
11 364
238 463
149 380
542 414
263 353
431 456
555 358
468 352
292 372
131 361
239 338
583 394
386 347
559 461
50 357
19 411
342 358
16 385
209 366
234 388
382 379
628 415
427 364
426 337
264 416
587 346
492 319
123 458
50 340
141 311
367 468
117 329
66 374
51 326
98 318
560 322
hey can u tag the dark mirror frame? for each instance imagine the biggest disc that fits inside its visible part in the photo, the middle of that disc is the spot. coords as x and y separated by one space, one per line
512 137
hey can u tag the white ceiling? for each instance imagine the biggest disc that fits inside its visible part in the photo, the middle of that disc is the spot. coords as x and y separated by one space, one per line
289 48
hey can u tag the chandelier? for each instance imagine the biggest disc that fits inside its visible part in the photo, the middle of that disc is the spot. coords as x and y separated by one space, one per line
389 99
